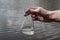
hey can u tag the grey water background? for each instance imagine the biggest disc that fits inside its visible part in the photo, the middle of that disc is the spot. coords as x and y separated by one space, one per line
11 18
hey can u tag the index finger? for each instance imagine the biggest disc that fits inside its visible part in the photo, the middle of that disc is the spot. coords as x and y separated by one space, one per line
27 12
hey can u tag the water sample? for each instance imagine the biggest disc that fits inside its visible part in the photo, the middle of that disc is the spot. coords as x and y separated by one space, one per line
28 26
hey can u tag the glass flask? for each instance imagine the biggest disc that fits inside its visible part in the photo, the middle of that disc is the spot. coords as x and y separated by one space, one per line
28 26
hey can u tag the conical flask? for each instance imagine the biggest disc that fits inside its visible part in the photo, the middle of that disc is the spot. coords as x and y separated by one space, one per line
28 26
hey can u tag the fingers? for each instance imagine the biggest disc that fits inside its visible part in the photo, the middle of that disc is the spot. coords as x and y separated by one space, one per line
33 10
34 17
37 13
27 12
40 18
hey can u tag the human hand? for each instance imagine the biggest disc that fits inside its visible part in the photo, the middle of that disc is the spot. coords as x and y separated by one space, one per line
41 14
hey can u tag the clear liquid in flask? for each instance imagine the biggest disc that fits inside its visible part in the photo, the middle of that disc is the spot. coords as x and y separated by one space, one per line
28 27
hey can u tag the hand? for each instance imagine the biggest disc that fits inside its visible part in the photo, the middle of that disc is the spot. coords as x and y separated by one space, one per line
41 14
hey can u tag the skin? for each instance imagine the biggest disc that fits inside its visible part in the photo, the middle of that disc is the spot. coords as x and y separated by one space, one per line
41 14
